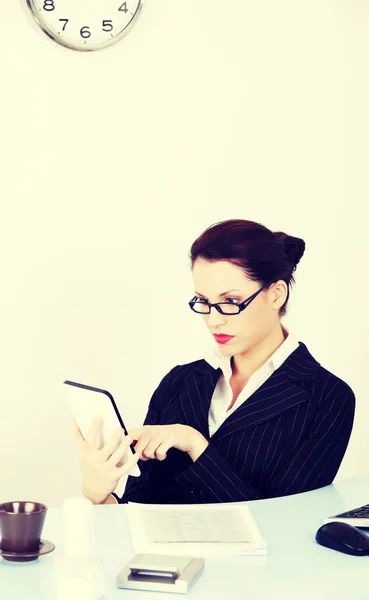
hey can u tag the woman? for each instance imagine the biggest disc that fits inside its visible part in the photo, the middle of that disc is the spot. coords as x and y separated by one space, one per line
257 418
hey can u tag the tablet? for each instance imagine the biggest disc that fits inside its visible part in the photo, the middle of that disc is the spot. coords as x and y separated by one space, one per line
86 403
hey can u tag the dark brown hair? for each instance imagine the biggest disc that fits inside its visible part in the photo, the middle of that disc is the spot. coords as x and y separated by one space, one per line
262 254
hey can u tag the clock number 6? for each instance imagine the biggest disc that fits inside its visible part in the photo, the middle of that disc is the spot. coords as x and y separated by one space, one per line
49 5
85 32
107 25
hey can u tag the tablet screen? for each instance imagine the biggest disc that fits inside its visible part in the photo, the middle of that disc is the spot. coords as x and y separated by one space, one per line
87 402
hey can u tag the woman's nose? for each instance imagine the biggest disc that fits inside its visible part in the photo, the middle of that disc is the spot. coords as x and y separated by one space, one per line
215 318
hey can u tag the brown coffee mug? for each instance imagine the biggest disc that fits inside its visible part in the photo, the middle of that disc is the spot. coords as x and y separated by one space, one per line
21 524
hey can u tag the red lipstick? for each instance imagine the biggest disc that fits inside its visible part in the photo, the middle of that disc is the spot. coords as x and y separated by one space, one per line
221 338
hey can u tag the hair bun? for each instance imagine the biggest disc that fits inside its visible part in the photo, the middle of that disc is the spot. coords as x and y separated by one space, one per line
294 247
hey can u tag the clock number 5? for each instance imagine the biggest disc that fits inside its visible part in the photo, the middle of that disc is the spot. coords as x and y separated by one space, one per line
107 25
49 5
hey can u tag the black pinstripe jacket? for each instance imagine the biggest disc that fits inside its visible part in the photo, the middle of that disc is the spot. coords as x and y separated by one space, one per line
289 436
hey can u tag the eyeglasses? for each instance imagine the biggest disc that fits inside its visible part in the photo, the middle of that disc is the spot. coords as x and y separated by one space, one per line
224 308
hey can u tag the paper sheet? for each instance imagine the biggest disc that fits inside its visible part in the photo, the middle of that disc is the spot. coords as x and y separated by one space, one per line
194 529
195 526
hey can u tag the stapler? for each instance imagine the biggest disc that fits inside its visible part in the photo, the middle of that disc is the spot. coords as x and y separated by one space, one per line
160 573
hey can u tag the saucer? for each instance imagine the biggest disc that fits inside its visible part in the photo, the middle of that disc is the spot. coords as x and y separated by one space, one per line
45 548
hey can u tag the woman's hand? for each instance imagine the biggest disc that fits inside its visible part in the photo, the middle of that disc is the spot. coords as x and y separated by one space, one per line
100 474
154 441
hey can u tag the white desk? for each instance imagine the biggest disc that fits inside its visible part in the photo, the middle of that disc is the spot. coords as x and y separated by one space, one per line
295 568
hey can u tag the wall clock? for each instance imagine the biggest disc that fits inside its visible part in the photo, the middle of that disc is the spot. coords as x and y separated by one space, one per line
85 25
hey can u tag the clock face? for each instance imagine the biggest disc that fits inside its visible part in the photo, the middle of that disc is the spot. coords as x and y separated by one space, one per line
85 24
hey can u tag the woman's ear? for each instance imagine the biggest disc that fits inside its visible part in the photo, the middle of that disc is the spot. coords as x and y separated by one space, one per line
278 293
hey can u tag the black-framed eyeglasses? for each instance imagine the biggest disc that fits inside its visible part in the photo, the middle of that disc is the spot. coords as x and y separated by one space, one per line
224 308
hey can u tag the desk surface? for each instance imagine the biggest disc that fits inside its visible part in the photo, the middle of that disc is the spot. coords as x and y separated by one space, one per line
296 567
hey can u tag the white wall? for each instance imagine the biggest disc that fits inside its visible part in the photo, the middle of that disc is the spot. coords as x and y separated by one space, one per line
113 162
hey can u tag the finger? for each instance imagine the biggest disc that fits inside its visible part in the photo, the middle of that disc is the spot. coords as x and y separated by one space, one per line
148 445
112 443
76 432
140 442
137 433
140 455
152 446
161 451
120 451
93 430
78 438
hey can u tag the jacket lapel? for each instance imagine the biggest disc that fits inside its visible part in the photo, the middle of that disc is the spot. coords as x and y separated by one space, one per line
273 397
278 393
196 394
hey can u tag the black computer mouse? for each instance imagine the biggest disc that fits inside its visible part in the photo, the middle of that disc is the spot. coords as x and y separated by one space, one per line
344 538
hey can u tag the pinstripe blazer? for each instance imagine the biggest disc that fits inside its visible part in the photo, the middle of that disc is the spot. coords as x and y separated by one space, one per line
289 436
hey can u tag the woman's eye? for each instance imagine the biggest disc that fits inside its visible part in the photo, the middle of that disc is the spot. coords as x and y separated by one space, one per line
228 300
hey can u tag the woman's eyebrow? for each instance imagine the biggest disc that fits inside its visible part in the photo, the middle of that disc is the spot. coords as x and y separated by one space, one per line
220 295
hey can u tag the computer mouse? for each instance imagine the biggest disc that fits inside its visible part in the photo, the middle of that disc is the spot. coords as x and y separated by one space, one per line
344 538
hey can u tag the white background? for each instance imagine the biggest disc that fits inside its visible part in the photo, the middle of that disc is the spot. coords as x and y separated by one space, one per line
113 162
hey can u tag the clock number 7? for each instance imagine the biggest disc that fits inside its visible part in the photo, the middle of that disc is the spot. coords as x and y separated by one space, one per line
65 23
123 8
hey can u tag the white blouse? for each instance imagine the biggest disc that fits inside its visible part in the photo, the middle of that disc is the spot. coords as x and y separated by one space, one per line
222 395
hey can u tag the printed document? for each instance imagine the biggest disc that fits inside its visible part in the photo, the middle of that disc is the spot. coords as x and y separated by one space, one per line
194 529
